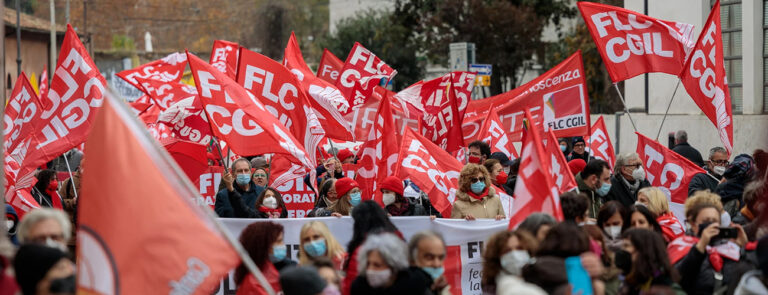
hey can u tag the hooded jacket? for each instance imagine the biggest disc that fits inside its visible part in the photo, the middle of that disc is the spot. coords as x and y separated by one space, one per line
487 207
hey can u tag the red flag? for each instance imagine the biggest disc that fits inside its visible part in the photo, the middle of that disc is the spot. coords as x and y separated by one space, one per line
705 80
535 190
379 152
224 57
559 95
141 104
70 106
119 247
362 118
190 156
558 167
493 134
21 114
166 93
187 121
631 43
431 168
362 71
324 98
167 69
668 171
43 82
600 144
441 121
238 118
330 67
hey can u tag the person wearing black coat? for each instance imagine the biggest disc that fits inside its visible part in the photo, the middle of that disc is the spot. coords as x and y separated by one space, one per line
686 150
242 183
627 180
384 269
737 175
714 169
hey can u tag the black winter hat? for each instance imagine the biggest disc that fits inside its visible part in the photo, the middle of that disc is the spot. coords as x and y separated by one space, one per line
301 281
32 263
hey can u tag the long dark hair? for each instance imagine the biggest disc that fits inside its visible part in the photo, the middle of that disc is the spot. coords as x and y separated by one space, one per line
652 260
369 218
278 196
608 210
257 239
44 178
648 216
564 240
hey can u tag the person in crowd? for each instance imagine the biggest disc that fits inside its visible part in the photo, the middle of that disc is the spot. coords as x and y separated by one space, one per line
45 191
304 281
656 202
317 241
395 203
512 177
611 219
260 177
414 194
498 176
713 172
538 224
611 276
740 172
45 226
755 199
68 188
755 282
259 162
326 197
479 151
503 160
328 271
644 261
264 243
761 163
12 224
563 142
239 181
369 218
268 205
638 216
575 206
426 250
503 259
41 269
383 268
349 197
576 166
579 150
686 150
595 182
330 169
628 179
698 274
346 157
476 198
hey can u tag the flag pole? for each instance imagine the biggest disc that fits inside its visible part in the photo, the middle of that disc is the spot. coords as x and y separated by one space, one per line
333 150
71 178
269 164
625 106
668 106
218 148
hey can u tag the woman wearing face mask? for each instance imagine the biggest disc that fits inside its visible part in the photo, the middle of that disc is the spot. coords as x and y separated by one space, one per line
498 176
350 196
476 198
326 197
611 218
45 191
318 242
503 259
628 178
638 216
268 205
384 269
264 243
394 201
644 263
656 201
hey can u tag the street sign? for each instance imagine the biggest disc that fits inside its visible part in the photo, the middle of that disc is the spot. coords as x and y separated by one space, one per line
481 69
461 55
482 80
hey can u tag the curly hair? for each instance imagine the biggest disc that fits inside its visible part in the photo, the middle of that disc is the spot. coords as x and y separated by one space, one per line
496 246
257 239
469 171
703 197
652 258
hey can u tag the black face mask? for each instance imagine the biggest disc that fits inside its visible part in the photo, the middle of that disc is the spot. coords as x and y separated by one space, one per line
623 261
63 285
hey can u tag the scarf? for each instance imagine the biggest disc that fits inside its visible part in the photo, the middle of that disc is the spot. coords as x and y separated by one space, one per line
680 247
632 186
394 211
478 197
264 209
329 203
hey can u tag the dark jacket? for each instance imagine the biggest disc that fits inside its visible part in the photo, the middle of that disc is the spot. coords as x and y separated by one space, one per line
547 272
222 206
584 156
698 277
411 281
320 206
690 153
414 208
620 191
243 211
595 200
731 189
703 181
321 176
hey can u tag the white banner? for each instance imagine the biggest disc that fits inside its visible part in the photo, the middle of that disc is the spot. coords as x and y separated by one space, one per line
464 239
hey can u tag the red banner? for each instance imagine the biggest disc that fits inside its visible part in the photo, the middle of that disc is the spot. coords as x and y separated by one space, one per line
493 134
705 79
362 71
379 152
208 185
330 67
441 120
559 96
600 144
631 43
668 171
224 57
167 69
21 114
558 168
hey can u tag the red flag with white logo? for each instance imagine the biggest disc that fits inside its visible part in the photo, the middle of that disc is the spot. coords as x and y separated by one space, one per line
631 43
166 93
362 71
43 82
493 134
379 152
600 144
224 57
535 190
330 67
668 171
431 168
324 97
561 173
187 121
114 233
441 120
705 79
168 69
21 114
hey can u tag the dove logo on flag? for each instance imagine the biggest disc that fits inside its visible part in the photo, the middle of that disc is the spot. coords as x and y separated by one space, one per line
564 108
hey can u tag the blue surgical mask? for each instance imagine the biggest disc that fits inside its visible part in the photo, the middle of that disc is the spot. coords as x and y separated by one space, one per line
315 248
478 187
278 253
604 189
563 148
355 198
243 179
434 272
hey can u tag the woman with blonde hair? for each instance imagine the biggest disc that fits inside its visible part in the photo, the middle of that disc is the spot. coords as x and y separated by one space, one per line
476 197
317 241
656 201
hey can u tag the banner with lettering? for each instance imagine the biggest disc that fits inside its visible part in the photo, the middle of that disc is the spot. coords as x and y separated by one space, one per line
208 185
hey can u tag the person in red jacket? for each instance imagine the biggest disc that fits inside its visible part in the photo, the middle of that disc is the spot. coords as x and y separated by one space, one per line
264 243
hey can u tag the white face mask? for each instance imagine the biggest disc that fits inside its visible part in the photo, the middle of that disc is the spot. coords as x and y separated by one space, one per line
638 174
378 278
514 261
506 170
613 231
388 199
270 202
54 244
719 170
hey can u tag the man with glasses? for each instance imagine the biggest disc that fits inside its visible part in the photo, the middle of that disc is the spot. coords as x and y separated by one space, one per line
45 226
579 150
628 178
715 167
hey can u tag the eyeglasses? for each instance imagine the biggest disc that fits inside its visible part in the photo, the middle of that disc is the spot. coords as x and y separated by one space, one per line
476 179
260 175
579 145
43 238
720 162
634 166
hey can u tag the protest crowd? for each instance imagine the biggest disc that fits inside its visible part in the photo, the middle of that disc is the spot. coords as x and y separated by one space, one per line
323 185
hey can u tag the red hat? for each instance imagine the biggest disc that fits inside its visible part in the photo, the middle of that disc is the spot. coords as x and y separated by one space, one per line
344 185
577 165
392 183
344 154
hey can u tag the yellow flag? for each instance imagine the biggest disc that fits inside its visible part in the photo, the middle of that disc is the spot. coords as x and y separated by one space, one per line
33 82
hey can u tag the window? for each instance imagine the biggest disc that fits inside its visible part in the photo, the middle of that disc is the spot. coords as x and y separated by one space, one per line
730 18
